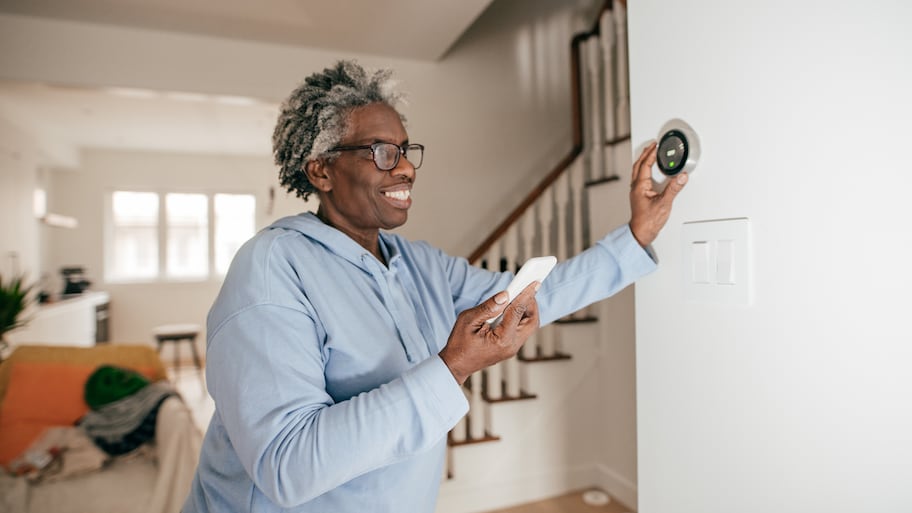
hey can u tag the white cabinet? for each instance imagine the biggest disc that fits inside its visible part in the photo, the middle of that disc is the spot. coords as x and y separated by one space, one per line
70 322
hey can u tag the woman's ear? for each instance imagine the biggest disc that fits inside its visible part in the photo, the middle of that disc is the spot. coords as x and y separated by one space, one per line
317 175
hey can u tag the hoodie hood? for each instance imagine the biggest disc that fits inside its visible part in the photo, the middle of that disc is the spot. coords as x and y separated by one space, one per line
309 225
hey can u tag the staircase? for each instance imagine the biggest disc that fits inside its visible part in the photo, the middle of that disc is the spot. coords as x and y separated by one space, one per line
554 219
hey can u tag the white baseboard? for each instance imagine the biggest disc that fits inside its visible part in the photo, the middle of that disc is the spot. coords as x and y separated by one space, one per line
617 486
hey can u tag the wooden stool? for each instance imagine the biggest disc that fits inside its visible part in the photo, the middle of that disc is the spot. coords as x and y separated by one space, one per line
178 333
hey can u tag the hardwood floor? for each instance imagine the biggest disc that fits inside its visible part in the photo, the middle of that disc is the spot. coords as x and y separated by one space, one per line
570 503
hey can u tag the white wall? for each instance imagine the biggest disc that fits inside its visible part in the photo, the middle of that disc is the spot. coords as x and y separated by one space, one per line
801 401
20 231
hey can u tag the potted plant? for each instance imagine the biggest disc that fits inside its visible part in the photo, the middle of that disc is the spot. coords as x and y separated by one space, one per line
15 297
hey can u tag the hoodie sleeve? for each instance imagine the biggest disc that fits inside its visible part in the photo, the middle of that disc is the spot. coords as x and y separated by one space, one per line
610 265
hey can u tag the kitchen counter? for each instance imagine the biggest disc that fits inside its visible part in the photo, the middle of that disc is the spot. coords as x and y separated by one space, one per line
71 321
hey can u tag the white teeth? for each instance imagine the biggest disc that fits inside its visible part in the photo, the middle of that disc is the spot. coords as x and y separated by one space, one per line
399 195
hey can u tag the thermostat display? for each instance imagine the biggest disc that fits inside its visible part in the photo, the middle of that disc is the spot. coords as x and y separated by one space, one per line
678 148
672 152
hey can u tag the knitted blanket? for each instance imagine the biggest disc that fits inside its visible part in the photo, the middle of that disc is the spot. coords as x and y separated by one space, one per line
125 424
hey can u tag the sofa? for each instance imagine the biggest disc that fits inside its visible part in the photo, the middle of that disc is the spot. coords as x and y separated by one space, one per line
41 398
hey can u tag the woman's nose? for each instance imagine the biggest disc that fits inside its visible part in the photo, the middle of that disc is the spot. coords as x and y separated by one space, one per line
404 168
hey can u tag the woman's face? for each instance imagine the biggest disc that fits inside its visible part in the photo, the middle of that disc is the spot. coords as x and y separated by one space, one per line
362 199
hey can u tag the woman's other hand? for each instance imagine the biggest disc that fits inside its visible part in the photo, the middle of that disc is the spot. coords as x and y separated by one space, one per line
474 344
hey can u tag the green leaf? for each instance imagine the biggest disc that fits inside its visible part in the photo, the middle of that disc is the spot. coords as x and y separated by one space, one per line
15 298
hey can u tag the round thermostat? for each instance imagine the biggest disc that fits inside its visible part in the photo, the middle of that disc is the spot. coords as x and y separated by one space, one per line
678 148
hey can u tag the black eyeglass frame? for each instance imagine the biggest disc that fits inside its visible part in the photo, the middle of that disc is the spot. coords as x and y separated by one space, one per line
403 151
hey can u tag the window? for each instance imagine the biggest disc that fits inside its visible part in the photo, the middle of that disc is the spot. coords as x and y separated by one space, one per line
175 235
135 236
234 224
188 235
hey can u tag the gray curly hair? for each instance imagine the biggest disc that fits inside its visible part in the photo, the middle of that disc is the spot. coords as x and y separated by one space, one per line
313 119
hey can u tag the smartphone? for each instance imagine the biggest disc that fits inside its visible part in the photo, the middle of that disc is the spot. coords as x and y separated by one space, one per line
535 269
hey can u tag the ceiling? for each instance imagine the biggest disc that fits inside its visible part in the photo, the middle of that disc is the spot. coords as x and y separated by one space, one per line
76 118
411 29
135 119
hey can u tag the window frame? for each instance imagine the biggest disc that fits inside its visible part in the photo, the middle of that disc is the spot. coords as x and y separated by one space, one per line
162 229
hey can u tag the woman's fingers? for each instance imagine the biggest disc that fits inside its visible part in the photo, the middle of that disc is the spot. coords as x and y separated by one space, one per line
642 168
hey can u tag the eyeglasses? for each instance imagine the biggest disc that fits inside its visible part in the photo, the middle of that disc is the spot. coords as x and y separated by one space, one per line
386 155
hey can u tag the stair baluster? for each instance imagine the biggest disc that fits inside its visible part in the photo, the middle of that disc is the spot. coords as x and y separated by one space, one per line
528 223
511 366
609 94
476 408
594 143
619 13
493 390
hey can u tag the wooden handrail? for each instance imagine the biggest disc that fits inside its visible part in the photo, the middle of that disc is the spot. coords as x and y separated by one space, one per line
575 151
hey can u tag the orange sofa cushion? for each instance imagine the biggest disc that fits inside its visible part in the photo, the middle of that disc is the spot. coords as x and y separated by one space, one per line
40 395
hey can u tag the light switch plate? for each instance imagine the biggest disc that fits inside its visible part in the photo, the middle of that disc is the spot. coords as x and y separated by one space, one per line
725 277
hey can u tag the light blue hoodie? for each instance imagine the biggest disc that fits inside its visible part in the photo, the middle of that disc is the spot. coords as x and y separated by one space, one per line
330 396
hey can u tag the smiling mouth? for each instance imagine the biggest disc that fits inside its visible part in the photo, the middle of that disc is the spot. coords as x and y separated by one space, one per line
399 195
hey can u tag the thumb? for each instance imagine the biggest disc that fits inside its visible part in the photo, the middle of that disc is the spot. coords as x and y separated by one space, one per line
674 187
490 308
519 306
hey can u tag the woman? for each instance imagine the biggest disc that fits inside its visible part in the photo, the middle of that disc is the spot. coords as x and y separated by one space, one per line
335 353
